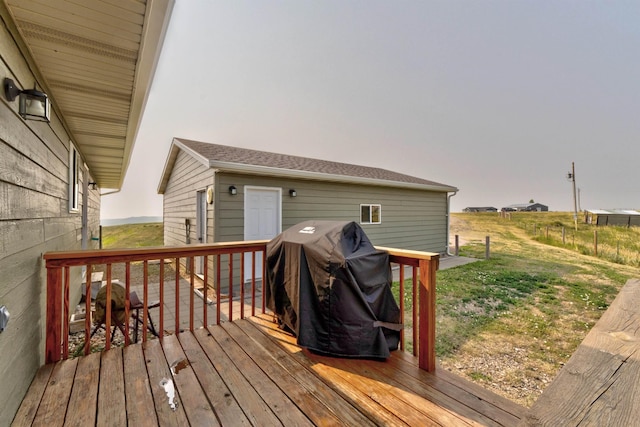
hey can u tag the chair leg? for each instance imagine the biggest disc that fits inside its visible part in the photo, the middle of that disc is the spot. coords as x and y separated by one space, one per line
151 326
135 331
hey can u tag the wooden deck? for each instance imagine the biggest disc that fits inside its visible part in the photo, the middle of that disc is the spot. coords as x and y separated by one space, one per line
599 384
248 372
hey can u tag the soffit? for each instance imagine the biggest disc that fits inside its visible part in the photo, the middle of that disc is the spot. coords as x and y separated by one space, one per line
96 58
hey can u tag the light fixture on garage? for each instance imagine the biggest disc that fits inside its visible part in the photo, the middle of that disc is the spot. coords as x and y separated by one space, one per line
34 105
233 190
293 193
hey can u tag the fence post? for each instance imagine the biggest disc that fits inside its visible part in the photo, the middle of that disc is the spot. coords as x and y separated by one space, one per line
547 232
535 230
563 236
427 319
595 242
487 249
457 245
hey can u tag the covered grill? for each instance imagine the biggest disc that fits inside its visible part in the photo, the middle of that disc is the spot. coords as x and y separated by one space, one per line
330 286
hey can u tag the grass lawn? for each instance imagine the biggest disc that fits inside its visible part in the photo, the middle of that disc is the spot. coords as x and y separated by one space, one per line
511 322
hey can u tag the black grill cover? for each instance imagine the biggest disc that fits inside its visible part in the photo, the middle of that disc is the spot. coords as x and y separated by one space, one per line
330 286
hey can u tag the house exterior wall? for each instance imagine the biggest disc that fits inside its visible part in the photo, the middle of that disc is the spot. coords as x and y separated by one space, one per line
179 202
34 219
411 219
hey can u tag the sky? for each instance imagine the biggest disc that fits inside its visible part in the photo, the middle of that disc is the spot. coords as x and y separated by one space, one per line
496 98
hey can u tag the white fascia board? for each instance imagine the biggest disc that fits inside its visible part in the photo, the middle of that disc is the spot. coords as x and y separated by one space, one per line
318 176
174 149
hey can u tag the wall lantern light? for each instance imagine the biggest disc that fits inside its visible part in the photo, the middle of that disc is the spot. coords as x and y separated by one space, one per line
34 105
233 190
293 193
93 185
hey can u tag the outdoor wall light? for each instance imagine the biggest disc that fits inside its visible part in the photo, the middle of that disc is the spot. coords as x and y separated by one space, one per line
293 193
93 185
233 190
34 105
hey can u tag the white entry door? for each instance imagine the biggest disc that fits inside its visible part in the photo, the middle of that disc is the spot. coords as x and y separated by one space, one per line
201 227
262 220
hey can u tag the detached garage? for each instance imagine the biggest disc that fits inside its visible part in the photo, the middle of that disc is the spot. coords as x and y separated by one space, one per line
217 193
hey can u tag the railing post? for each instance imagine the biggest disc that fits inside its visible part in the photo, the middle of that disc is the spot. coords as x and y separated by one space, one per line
54 315
427 318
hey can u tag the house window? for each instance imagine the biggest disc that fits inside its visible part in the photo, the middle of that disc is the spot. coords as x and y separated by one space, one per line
370 214
73 178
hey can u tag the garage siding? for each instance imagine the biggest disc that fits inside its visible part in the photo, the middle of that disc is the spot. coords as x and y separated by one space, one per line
411 219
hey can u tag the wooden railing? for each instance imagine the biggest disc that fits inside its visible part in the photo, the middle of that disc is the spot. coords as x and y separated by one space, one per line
422 288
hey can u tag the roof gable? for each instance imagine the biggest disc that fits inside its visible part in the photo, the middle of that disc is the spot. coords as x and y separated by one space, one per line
243 160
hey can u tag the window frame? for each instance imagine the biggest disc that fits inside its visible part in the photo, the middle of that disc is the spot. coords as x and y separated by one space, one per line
371 207
74 178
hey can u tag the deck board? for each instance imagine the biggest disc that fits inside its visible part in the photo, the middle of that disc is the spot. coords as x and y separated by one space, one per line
53 405
250 372
303 397
140 409
84 395
111 397
29 407
286 411
310 384
248 398
217 392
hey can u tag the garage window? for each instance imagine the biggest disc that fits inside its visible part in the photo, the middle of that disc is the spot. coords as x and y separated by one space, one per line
370 214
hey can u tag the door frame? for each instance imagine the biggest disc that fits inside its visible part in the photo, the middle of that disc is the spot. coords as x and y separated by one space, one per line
248 189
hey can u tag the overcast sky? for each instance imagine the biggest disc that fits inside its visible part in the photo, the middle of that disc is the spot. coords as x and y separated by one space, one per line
496 98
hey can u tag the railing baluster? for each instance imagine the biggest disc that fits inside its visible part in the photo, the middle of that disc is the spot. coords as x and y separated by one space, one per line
415 308
206 291
65 325
264 275
230 287
192 289
127 302
401 297
161 297
217 284
177 299
253 283
242 285
145 300
107 311
87 311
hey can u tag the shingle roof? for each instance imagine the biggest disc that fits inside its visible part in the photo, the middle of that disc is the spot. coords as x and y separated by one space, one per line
218 155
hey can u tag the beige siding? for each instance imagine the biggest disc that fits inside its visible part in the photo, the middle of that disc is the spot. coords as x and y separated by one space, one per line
411 219
179 202
34 218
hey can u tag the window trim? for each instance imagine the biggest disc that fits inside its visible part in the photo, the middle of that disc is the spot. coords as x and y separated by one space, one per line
74 178
371 206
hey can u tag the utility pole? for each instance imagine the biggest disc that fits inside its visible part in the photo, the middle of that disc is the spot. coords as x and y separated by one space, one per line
572 176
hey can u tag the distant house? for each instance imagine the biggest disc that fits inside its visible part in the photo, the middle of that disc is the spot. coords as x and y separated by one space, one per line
481 209
620 217
526 207
218 193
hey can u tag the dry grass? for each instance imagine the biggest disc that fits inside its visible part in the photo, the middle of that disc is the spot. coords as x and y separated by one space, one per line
510 323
